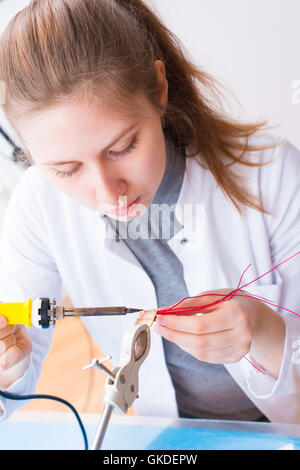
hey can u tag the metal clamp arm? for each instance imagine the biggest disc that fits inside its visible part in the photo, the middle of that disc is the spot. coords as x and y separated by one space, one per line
121 386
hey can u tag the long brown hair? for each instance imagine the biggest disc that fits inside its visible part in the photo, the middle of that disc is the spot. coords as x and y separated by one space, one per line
55 50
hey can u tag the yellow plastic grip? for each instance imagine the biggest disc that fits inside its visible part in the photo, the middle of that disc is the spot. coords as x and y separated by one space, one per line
18 313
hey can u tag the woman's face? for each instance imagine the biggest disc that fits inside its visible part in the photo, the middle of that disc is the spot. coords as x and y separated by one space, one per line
105 163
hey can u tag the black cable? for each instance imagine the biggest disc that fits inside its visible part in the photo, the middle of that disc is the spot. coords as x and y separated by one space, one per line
13 396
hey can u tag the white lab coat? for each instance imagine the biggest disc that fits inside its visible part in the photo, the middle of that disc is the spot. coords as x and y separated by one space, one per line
50 240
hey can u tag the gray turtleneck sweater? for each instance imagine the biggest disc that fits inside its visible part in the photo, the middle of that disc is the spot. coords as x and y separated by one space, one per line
203 390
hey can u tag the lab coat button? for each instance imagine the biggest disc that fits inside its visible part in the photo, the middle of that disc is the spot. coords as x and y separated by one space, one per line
184 241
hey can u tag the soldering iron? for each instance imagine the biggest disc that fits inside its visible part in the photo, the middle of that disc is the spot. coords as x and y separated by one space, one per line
43 312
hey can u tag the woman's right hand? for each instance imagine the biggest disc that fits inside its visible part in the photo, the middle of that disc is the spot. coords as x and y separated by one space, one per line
15 350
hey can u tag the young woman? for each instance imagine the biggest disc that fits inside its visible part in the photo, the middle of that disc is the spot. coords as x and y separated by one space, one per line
114 120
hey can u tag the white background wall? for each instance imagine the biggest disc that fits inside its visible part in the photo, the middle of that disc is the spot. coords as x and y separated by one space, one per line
252 46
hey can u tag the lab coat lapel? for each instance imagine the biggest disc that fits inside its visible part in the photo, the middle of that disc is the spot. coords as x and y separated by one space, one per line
190 212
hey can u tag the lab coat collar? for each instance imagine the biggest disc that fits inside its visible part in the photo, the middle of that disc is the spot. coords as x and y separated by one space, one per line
189 209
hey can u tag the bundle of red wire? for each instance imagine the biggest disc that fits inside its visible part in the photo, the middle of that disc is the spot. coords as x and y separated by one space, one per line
174 310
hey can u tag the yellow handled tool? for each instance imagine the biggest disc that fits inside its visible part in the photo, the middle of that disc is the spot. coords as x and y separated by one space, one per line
34 312
18 313
43 312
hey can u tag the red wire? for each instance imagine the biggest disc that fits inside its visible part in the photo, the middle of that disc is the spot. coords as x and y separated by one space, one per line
173 310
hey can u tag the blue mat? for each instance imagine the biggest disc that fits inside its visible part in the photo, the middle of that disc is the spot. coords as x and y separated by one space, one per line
207 439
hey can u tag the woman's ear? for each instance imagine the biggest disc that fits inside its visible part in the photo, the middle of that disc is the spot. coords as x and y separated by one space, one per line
163 82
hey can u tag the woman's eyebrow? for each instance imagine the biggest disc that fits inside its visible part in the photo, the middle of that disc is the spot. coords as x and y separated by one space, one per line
122 134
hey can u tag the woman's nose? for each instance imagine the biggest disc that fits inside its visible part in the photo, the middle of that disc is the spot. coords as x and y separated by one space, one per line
109 186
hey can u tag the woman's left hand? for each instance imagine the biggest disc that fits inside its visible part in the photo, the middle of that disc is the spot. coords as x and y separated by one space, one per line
228 330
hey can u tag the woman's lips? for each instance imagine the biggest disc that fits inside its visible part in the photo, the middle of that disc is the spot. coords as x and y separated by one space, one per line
121 211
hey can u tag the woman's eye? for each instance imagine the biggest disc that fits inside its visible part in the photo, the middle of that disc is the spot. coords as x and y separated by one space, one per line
129 149
113 155
67 174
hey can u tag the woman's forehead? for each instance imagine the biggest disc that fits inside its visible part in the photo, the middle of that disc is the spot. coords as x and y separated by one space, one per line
85 110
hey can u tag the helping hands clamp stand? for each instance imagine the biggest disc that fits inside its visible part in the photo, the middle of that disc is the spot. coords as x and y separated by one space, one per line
121 386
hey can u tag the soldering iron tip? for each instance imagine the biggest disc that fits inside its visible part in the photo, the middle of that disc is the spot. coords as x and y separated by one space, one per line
133 310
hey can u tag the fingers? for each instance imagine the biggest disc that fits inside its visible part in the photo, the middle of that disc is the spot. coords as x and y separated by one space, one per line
225 316
210 341
228 355
204 298
206 301
15 361
6 331
224 335
215 321
3 321
12 356
14 348
215 348
11 375
6 343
